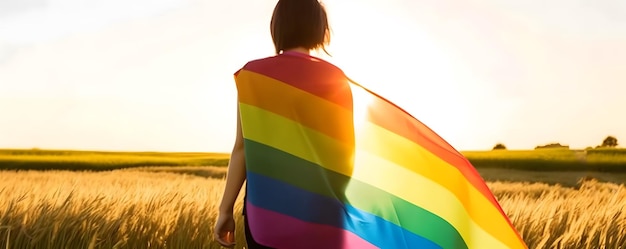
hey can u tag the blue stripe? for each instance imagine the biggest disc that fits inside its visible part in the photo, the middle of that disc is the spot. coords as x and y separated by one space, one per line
283 198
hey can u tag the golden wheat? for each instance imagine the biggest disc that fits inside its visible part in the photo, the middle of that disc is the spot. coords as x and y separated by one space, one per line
122 209
157 209
549 216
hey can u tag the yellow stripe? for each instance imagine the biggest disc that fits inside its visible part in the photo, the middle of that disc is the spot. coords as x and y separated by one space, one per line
427 194
414 158
261 91
374 170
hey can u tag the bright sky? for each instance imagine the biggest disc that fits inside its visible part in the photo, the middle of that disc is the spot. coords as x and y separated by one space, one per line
156 75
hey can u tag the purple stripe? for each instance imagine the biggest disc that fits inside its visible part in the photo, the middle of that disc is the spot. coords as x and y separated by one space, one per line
307 235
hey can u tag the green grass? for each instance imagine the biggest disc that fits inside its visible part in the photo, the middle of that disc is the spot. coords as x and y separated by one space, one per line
600 160
597 160
563 178
98 160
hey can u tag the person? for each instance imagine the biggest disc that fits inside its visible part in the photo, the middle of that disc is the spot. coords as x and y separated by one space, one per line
280 84
330 164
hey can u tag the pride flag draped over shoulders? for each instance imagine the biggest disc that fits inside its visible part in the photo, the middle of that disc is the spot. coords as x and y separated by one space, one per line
332 165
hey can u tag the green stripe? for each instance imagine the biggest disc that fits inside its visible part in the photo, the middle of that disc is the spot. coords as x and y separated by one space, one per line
270 162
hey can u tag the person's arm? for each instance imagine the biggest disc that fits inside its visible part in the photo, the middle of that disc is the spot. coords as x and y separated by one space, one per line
225 227
236 172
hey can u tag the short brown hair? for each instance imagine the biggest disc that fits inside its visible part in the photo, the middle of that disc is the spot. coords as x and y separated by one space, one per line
299 23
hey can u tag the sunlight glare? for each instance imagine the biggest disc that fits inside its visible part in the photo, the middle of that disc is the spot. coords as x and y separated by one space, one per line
362 101
387 52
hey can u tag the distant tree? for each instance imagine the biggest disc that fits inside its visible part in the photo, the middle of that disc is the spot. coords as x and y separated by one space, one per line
499 146
609 141
553 146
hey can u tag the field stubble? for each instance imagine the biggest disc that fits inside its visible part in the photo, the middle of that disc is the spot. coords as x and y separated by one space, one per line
176 208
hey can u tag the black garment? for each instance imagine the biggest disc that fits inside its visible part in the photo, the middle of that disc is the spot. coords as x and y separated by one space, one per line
252 244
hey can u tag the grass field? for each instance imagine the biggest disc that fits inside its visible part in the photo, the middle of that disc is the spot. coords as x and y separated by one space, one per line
116 209
600 160
564 178
166 200
98 161
175 207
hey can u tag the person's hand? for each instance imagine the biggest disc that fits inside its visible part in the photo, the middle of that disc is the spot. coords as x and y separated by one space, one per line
224 231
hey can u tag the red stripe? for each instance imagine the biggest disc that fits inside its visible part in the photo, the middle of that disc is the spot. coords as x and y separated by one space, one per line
307 73
288 232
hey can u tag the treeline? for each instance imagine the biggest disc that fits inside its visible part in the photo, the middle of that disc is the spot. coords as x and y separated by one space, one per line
608 142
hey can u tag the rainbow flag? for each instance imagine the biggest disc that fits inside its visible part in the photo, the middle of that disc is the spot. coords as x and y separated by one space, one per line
332 165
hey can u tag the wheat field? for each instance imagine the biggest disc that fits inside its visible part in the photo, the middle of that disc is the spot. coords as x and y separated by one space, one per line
158 208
